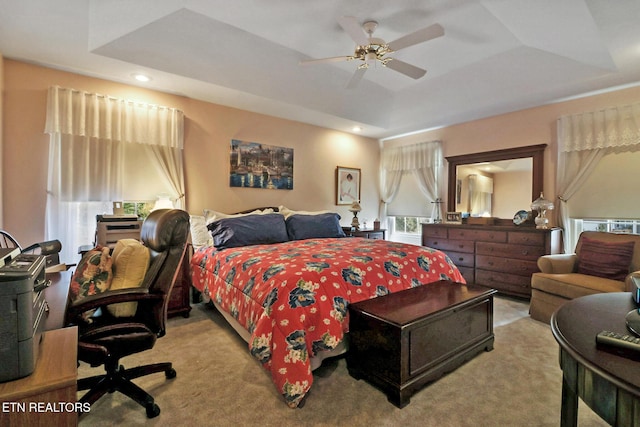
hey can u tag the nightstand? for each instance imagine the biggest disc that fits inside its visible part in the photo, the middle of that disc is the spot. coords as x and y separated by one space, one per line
179 298
368 233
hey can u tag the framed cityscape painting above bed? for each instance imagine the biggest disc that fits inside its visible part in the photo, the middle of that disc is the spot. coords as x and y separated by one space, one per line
256 165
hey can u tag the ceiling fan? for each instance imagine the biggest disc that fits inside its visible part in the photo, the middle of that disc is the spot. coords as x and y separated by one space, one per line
370 50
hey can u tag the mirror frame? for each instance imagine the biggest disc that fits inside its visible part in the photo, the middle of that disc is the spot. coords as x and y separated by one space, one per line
536 152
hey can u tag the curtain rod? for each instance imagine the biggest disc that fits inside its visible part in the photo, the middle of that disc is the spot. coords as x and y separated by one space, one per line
113 98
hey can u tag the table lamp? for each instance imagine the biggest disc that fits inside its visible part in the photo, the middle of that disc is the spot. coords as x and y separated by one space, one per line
163 202
541 205
355 208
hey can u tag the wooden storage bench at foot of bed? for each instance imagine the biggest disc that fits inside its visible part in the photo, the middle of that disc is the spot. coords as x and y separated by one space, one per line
402 341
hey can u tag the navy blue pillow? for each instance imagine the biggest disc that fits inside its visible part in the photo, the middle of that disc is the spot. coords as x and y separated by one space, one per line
314 226
248 230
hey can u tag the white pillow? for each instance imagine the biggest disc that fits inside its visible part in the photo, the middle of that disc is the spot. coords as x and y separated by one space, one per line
288 212
200 236
211 215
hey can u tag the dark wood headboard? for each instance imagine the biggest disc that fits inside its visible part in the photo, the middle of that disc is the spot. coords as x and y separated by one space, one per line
275 209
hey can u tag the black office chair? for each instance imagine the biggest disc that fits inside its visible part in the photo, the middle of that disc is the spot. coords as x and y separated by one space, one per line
107 339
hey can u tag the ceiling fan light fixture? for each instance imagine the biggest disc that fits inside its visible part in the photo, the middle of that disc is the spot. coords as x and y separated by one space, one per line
371 50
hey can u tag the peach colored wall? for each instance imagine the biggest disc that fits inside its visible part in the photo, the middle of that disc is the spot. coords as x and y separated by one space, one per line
209 129
521 128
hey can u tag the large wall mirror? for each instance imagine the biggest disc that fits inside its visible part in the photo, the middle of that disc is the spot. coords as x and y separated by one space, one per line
495 183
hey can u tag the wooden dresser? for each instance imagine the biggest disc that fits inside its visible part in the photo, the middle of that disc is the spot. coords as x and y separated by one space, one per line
500 257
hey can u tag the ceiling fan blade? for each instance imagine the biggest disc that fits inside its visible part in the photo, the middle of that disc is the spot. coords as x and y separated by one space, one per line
355 79
352 27
416 37
324 60
406 69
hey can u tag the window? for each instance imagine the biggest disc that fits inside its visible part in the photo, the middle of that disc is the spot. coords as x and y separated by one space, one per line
628 226
140 209
104 149
406 229
409 224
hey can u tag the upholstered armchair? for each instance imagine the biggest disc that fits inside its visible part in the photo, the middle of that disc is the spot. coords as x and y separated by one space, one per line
105 336
601 262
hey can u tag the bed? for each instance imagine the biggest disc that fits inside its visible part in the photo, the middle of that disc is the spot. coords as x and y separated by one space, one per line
287 279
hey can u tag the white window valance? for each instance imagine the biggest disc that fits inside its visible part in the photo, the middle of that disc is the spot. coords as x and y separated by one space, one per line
412 157
92 115
612 127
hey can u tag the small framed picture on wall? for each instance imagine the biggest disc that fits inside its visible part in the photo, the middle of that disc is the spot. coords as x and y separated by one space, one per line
347 185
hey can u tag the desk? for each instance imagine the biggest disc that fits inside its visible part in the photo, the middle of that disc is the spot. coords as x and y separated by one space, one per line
53 381
609 384
56 296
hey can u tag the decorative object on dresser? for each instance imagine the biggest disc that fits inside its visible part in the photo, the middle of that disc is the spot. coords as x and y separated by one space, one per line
438 206
502 257
393 338
454 218
541 205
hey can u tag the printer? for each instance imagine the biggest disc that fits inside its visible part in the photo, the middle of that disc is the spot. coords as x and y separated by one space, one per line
23 310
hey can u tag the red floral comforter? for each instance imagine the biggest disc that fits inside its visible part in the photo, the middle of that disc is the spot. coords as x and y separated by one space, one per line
292 297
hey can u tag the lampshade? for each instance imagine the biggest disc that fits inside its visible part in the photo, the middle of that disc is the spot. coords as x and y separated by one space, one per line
355 207
541 204
163 202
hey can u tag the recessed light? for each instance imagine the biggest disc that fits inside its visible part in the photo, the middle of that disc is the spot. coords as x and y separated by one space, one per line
141 77
357 128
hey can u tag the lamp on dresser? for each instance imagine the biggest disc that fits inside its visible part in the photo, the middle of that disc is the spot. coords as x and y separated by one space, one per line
541 205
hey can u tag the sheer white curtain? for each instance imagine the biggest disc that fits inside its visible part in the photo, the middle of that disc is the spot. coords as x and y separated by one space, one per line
89 139
480 193
583 139
423 160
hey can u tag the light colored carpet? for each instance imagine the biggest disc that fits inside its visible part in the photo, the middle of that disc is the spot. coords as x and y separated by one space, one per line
220 384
